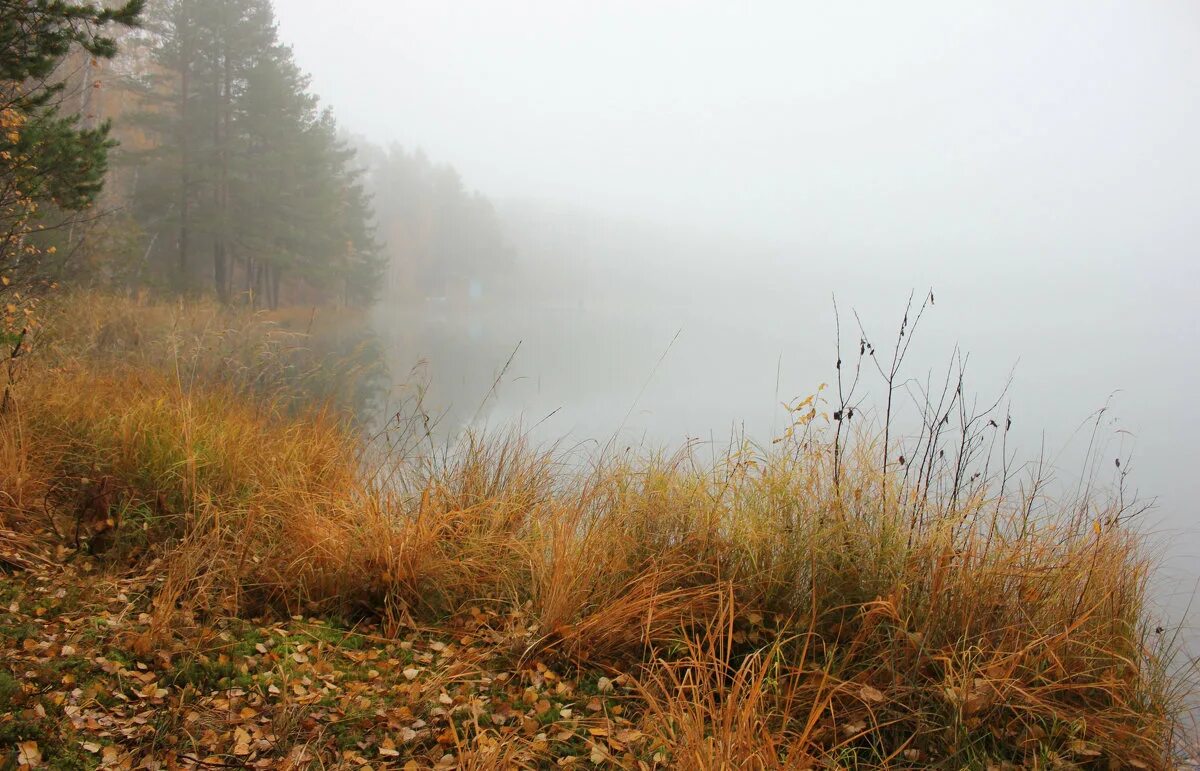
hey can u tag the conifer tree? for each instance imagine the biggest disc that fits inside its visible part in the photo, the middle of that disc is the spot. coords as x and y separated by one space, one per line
247 165
47 159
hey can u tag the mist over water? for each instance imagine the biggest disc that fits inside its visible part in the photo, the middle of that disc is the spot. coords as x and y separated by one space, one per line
651 358
685 187
638 383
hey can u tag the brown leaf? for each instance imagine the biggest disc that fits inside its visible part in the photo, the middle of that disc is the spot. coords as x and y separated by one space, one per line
870 694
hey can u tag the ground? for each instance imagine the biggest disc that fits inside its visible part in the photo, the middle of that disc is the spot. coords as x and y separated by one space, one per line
80 687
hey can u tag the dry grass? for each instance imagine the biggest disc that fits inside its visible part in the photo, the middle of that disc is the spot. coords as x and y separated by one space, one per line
784 607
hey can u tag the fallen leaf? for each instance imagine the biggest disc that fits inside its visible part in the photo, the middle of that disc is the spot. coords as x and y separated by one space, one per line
29 755
870 694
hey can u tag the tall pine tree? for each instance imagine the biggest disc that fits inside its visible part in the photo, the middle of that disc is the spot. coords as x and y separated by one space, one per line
247 167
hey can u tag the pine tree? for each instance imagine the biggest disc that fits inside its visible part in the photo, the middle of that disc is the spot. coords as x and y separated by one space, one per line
247 164
47 160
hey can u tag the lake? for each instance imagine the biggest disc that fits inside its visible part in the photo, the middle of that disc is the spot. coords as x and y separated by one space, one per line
656 356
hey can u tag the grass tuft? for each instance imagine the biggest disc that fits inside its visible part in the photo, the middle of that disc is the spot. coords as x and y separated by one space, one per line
784 606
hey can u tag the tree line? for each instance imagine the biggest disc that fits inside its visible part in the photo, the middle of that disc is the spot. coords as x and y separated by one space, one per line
440 237
176 144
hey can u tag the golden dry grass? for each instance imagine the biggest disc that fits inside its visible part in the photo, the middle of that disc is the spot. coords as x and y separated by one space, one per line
772 615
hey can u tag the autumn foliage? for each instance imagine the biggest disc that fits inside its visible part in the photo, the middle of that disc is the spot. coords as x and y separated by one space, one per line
497 604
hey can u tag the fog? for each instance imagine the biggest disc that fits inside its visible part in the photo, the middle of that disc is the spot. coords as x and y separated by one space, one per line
686 186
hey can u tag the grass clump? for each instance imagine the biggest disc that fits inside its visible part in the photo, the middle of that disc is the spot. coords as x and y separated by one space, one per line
797 605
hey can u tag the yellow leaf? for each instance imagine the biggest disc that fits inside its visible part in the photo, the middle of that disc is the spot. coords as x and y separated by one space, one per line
28 754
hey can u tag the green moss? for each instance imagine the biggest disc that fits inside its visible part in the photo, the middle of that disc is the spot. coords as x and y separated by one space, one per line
10 590
15 729
118 656
10 690
348 737
204 674
337 635
14 629
58 751
78 666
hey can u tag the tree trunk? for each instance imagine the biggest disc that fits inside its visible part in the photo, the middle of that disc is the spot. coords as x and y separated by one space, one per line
185 159
220 264
256 284
273 281
226 134
220 280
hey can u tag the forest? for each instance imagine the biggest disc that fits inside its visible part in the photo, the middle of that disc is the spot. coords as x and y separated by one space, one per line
185 153
213 556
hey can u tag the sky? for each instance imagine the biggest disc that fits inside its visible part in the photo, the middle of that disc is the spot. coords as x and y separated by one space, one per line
916 125
1035 162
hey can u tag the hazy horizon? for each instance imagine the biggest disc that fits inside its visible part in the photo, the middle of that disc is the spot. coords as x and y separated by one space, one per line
1035 165
614 384
794 122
